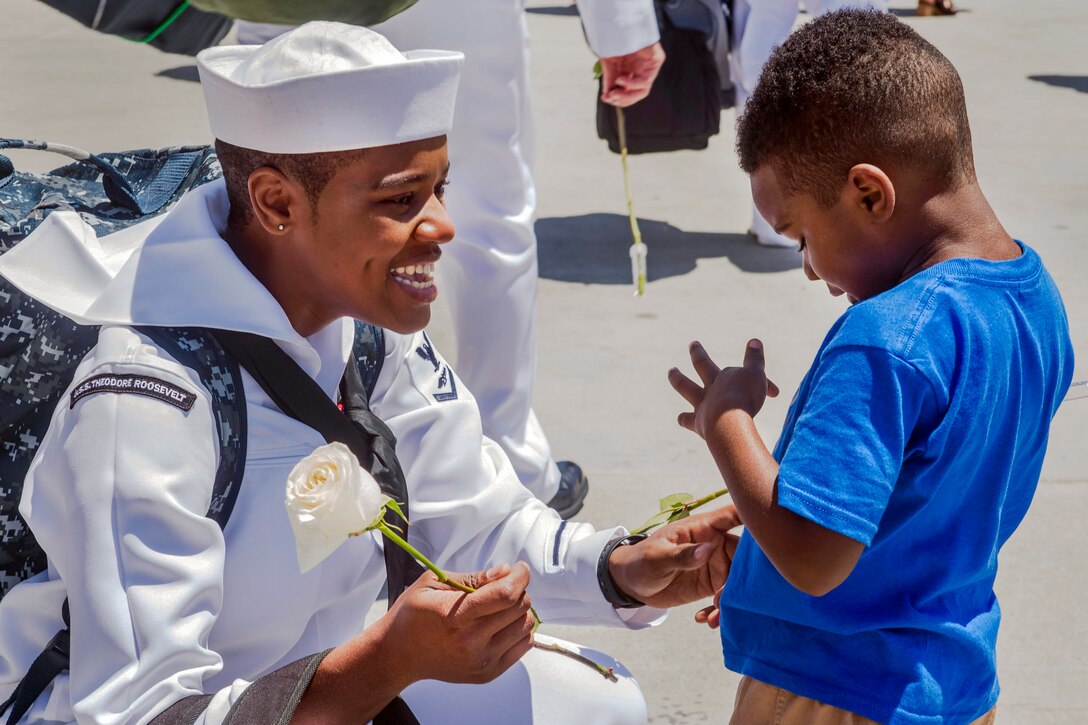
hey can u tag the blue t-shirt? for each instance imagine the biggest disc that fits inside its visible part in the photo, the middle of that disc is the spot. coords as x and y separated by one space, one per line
919 431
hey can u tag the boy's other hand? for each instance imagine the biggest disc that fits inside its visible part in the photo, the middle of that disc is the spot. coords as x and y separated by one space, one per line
711 616
743 388
681 562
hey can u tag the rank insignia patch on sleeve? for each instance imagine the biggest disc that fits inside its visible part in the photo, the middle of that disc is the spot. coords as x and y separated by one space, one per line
136 385
446 383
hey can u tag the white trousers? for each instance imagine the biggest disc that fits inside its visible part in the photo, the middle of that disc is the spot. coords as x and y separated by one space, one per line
544 688
489 273
759 26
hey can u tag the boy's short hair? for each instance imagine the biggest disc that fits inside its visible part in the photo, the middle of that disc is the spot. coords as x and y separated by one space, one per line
312 171
851 87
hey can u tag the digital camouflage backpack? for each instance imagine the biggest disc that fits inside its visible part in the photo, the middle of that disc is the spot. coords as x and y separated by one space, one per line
40 348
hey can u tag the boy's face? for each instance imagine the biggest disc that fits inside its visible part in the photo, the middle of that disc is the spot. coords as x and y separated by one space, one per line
839 245
371 248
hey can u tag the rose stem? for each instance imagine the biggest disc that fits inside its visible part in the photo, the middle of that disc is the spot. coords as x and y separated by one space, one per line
638 258
392 536
605 672
706 499
442 577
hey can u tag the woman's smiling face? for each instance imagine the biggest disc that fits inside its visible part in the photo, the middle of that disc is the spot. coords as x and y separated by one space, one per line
371 245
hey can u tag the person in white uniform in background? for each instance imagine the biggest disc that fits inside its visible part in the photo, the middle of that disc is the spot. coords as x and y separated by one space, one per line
759 26
490 275
334 152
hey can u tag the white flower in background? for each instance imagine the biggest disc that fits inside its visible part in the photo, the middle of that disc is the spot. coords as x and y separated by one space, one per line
329 498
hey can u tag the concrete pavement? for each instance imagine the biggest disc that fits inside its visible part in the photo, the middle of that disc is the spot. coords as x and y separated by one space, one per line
603 397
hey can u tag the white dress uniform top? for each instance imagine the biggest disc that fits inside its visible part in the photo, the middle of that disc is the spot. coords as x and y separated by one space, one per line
165 605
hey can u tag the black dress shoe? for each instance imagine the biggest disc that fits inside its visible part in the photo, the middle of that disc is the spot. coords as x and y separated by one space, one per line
573 487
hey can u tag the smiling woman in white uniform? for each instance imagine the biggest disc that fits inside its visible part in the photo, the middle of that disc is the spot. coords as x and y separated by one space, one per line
176 621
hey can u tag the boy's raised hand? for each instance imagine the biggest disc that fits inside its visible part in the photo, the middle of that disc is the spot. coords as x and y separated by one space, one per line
743 388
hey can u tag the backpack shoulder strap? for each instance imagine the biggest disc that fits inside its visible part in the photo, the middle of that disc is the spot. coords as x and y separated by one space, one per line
197 349
369 352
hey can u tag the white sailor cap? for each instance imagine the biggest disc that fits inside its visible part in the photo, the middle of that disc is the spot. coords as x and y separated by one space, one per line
327 87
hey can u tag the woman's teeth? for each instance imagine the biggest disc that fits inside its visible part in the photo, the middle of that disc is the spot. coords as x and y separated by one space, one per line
427 269
420 276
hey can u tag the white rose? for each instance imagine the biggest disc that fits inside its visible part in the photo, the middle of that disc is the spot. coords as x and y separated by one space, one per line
329 497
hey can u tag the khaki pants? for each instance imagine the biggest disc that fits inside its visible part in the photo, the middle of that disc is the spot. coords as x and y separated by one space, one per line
762 704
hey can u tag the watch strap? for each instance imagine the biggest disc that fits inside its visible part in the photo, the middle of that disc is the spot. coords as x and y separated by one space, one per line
612 593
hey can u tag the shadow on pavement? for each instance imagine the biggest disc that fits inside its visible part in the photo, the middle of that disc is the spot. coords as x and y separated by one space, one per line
181 73
1077 83
554 10
593 249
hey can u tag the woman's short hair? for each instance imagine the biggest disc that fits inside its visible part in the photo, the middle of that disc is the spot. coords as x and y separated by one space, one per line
311 171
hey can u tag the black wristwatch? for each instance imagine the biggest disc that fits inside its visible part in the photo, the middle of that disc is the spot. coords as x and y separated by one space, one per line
611 592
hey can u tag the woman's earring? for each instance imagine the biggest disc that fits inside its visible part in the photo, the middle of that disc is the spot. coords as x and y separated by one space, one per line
280 227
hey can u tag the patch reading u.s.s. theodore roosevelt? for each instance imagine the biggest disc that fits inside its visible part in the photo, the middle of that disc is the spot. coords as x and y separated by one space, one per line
137 385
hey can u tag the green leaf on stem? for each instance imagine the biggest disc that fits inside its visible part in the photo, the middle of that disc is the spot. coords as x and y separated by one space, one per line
655 521
598 71
680 513
677 499
675 507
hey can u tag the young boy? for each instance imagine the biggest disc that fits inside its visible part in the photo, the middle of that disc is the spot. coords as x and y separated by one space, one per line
863 587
